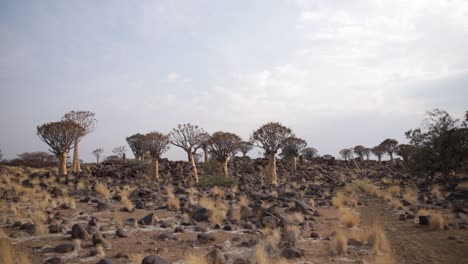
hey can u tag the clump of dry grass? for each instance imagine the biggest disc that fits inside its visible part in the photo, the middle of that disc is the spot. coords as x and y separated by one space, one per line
395 203
394 190
291 234
411 195
375 236
423 212
380 259
296 217
136 258
125 200
100 250
101 188
191 196
39 218
217 192
340 242
173 203
438 220
348 217
8 253
366 186
236 213
244 201
436 193
267 249
194 258
341 200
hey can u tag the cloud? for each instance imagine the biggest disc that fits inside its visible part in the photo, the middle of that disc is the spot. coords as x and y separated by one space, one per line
173 76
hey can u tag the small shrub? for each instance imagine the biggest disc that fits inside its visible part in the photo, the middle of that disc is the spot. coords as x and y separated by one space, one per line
340 242
217 181
101 188
138 258
194 258
394 190
291 234
411 195
438 220
348 218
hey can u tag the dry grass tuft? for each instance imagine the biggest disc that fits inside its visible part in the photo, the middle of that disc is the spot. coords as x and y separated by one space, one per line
100 250
217 192
375 236
436 193
438 220
296 217
101 188
394 190
244 201
348 217
125 200
395 203
194 258
423 212
291 234
411 195
173 203
340 241
136 258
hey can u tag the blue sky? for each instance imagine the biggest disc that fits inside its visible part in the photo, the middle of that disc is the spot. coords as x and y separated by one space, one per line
339 73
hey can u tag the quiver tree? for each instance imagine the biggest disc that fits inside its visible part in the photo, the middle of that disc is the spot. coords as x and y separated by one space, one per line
359 151
366 152
189 138
136 145
389 146
292 147
347 154
120 152
204 138
245 147
155 144
222 145
271 138
98 153
378 151
87 121
309 153
60 136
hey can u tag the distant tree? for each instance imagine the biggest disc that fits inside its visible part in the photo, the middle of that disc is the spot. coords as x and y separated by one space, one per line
98 153
366 152
155 144
346 154
60 136
309 153
87 121
1 155
38 159
198 157
222 145
292 148
136 145
120 151
188 137
245 147
389 146
204 138
359 151
271 137
378 151
405 151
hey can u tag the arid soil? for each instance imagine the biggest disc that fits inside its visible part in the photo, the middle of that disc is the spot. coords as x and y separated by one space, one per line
322 213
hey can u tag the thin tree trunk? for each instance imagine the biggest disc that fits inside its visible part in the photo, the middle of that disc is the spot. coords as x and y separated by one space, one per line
62 164
225 168
294 163
76 158
393 160
355 163
380 159
205 154
193 165
272 177
155 168
97 159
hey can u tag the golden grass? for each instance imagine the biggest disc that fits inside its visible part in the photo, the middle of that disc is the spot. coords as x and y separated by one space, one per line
436 193
236 213
375 236
217 217
194 258
136 258
217 192
340 242
192 196
244 201
423 212
173 203
411 195
341 200
438 220
394 190
380 259
100 250
291 234
348 217
101 188
395 203
296 217
125 200
9 255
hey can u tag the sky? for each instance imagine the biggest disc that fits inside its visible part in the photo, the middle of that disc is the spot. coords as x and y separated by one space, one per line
339 73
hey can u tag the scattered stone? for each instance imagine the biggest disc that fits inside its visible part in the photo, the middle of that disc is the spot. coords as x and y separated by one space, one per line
153 259
292 252
53 261
424 220
147 220
205 238
101 207
79 232
64 248
122 233
105 261
216 257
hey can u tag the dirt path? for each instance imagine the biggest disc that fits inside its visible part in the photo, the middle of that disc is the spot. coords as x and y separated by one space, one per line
412 243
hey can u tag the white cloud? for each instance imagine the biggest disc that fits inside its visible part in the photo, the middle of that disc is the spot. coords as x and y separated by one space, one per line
173 76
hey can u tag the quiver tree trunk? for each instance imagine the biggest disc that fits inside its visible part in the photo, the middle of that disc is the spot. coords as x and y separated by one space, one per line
393 160
355 164
271 176
62 166
225 168
294 163
154 168
76 158
193 165
205 155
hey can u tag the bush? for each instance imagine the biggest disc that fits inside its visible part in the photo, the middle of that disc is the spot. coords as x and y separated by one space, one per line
216 180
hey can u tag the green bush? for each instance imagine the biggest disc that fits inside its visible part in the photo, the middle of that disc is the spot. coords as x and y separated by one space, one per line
216 180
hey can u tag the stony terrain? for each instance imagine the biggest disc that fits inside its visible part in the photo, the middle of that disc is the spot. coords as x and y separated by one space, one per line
321 213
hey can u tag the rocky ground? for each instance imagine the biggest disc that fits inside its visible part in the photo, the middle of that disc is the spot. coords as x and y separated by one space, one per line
321 213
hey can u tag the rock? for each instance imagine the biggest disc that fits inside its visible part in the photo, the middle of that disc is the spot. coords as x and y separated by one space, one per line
79 232
53 261
105 261
153 259
99 239
205 238
147 220
239 261
64 248
292 252
424 219
101 207
57 228
30 229
122 233
315 235
354 242
215 256
93 221
269 221
200 213
165 236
